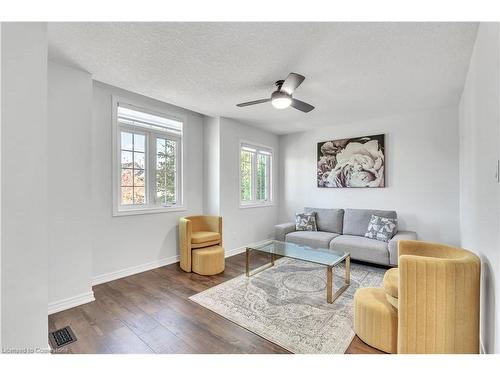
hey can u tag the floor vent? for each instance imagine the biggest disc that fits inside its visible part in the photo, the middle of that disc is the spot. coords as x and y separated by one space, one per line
61 337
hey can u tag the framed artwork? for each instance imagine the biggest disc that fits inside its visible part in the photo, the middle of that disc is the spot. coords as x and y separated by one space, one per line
352 163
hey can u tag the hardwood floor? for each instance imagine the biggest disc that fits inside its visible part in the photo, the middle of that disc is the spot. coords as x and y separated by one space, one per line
150 313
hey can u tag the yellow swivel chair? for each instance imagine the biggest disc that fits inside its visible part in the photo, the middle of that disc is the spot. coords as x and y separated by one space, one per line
200 241
432 299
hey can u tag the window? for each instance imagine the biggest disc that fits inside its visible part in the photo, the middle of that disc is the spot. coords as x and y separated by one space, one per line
148 161
255 175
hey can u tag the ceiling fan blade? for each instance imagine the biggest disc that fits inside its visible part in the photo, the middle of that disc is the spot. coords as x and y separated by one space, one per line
301 106
292 82
253 102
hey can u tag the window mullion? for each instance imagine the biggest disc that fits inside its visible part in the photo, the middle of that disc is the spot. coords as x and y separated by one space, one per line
254 177
178 169
268 178
151 170
118 166
257 178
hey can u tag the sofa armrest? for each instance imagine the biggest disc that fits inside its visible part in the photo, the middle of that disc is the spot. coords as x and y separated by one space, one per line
393 244
281 230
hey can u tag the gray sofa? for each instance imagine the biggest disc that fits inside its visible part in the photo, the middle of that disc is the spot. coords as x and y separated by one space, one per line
345 230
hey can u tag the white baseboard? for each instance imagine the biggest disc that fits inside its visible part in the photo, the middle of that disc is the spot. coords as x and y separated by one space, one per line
68 303
242 249
104 278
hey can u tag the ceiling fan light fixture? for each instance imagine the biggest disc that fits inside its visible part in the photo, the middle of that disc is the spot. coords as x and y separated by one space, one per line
283 96
280 100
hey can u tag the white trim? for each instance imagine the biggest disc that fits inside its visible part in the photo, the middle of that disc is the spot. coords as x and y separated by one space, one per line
68 303
83 298
481 346
104 278
236 251
254 205
1 197
150 206
258 148
151 210
252 144
242 249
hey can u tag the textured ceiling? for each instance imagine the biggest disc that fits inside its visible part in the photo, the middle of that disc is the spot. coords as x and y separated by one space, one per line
354 71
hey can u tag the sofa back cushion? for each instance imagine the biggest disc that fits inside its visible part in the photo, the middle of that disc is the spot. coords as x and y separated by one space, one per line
356 220
329 219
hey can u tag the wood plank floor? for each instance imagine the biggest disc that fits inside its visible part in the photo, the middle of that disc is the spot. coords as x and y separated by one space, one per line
151 313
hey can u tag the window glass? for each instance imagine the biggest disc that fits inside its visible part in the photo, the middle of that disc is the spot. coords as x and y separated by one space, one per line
262 165
246 175
255 174
166 170
149 160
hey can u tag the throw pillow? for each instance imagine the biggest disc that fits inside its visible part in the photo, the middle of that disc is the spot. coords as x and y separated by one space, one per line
382 228
306 221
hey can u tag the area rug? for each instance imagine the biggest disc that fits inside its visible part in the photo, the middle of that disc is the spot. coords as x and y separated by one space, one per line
286 304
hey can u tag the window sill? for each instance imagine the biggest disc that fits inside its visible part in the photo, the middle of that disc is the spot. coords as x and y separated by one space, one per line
256 205
149 210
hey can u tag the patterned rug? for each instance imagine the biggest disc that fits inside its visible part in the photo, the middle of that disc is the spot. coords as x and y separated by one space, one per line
286 304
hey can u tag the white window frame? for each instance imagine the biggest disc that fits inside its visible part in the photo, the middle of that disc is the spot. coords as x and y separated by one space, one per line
150 160
258 147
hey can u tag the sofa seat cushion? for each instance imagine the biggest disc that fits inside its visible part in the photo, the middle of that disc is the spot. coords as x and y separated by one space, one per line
362 248
202 237
319 240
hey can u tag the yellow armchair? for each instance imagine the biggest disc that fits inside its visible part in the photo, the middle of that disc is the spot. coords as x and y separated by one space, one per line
429 304
200 242
438 299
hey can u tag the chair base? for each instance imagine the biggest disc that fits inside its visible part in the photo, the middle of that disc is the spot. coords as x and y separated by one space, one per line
208 260
375 319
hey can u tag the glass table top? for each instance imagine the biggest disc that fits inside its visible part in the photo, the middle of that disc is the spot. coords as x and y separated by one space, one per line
325 257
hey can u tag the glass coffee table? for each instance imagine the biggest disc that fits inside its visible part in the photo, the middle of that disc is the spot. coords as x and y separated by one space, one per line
325 257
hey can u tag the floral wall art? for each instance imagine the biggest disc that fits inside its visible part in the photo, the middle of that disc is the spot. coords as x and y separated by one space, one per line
352 162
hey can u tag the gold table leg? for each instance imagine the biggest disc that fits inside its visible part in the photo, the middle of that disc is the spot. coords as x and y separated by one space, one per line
259 269
348 270
248 261
330 297
329 286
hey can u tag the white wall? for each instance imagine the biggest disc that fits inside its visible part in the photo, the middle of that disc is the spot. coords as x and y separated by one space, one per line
211 165
120 243
421 151
24 192
128 244
479 152
1 184
243 226
69 186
